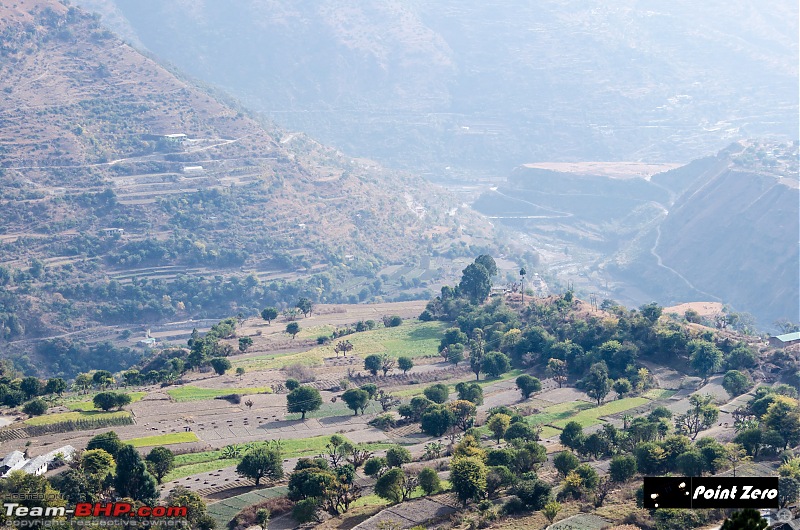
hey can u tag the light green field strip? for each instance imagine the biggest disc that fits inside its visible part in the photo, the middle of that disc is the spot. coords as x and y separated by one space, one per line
411 339
194 393
75 416
163 439
194 463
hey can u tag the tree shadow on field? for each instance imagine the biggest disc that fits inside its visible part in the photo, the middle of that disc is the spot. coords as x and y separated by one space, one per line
425 333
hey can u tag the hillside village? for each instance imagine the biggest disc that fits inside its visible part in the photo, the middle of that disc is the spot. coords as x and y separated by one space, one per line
201 309
556 405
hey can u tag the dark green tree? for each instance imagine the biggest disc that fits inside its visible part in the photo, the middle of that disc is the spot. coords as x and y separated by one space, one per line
132 478
736 383
373 364
527 385
37 407
565 461
293 328
488 263
429 480
220 365
495 364
747 519
107 441
705 357
475 283
261 462
436 420
572 435
304 305
303 399
269 314
470 392
597 382
622 468
356 399
160 461
437 393
55 386
534 493
31 387
405 364
397 455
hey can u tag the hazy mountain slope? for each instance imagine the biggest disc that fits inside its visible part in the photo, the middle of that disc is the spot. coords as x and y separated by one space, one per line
105 220
490 85
734 232
723 227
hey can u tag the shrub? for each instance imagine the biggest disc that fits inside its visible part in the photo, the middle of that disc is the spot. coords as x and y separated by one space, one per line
397 456
534 493
291 384
37 407
383 422
622 468
392 321
374 466
429 480
437 393
301 372
513 506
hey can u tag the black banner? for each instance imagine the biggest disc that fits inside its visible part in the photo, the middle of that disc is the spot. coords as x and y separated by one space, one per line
710 492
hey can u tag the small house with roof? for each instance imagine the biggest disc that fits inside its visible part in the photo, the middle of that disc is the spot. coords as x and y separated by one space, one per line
782 341
12 461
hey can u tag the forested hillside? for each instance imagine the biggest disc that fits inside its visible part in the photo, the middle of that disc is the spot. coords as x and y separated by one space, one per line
131 196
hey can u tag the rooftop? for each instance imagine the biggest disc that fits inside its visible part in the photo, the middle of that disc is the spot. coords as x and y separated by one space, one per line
788 337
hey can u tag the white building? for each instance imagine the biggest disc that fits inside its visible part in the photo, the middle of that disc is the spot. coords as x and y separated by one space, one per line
35 466
12 461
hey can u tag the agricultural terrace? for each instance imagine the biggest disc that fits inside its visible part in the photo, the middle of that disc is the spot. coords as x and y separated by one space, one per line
608 393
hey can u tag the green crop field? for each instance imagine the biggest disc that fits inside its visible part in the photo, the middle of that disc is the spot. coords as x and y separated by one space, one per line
164 439
193 463
412 339
659 393
75 416
591 415
226 509
88 405
200 467
193 393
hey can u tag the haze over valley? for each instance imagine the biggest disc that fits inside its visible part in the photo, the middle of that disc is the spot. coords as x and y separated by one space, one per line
398 265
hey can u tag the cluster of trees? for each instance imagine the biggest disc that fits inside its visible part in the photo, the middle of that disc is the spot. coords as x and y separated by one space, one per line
385 363
770 423
14 391
326 483
106 470
598 352
109 400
